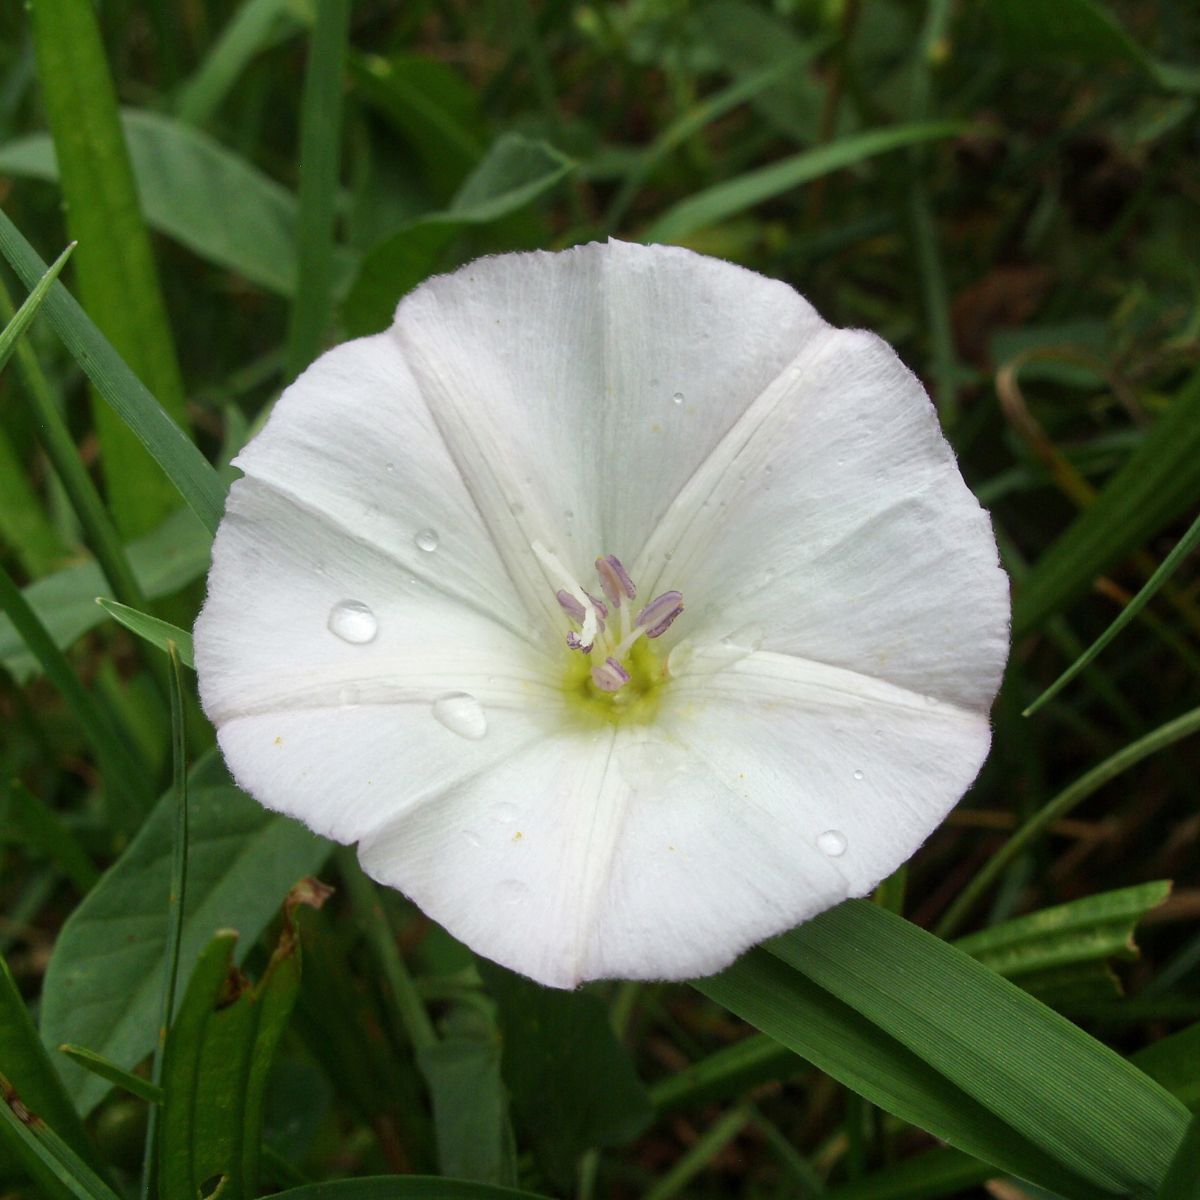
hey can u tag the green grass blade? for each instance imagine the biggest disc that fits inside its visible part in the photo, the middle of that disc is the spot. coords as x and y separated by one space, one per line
24 527
1077 1100
135 1085
193 477
1159 481
12 331
157 632
31 1073
814 1024
726 199
1166 569
320 158
250 29
1063 803
175 909
101 533
55 1166
114 264
126 780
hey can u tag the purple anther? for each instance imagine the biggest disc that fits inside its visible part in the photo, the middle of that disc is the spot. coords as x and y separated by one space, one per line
597 604
623 575
610 676
571 606
576 642
657 616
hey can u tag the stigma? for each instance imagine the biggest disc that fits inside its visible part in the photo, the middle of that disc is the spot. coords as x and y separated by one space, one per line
608 626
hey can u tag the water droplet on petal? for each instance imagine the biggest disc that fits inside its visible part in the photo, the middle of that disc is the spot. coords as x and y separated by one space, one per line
832 842
353 622
677 398
462 714
858 775
427 540
389 467
348 696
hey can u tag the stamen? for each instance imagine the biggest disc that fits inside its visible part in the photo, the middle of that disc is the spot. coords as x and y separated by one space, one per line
655 619
571 606
561 579
614 579
610 676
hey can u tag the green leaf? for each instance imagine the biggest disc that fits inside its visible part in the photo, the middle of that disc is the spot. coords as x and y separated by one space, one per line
103 983
1183 1179
30 1072
157 632
1089 930
169 558
1159 482
1175 1062
1064 1091
830 1034
573 1085
1166 569
218 1056
58 1170
724 200
197 192
135 1085
194 478
114 263
514 172
940 1172
403 1187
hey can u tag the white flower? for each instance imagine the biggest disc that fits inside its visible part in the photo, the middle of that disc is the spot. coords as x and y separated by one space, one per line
394 645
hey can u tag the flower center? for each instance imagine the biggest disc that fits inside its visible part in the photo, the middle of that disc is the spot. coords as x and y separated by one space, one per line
611 634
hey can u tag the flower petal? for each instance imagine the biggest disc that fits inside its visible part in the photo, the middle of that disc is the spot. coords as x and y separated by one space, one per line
579 390
766 793
833 519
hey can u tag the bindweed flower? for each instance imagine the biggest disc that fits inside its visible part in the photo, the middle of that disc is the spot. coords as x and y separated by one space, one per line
621 610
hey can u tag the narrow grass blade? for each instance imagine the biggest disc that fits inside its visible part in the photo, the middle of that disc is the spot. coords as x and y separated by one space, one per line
114 264
1069 1094
126 780
135 1085
320 157
175 902
705 1148
404 1187
43 829
24 526
251 28
101 533
1159 481
1166 569
1063 803
11 333
736 195
194 478
31 1073
157 632
54 1165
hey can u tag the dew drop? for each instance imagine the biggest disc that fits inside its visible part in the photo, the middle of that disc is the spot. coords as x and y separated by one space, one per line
677 398
832 842
348 696
462 714
389 467
858 775
353 622
427 540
